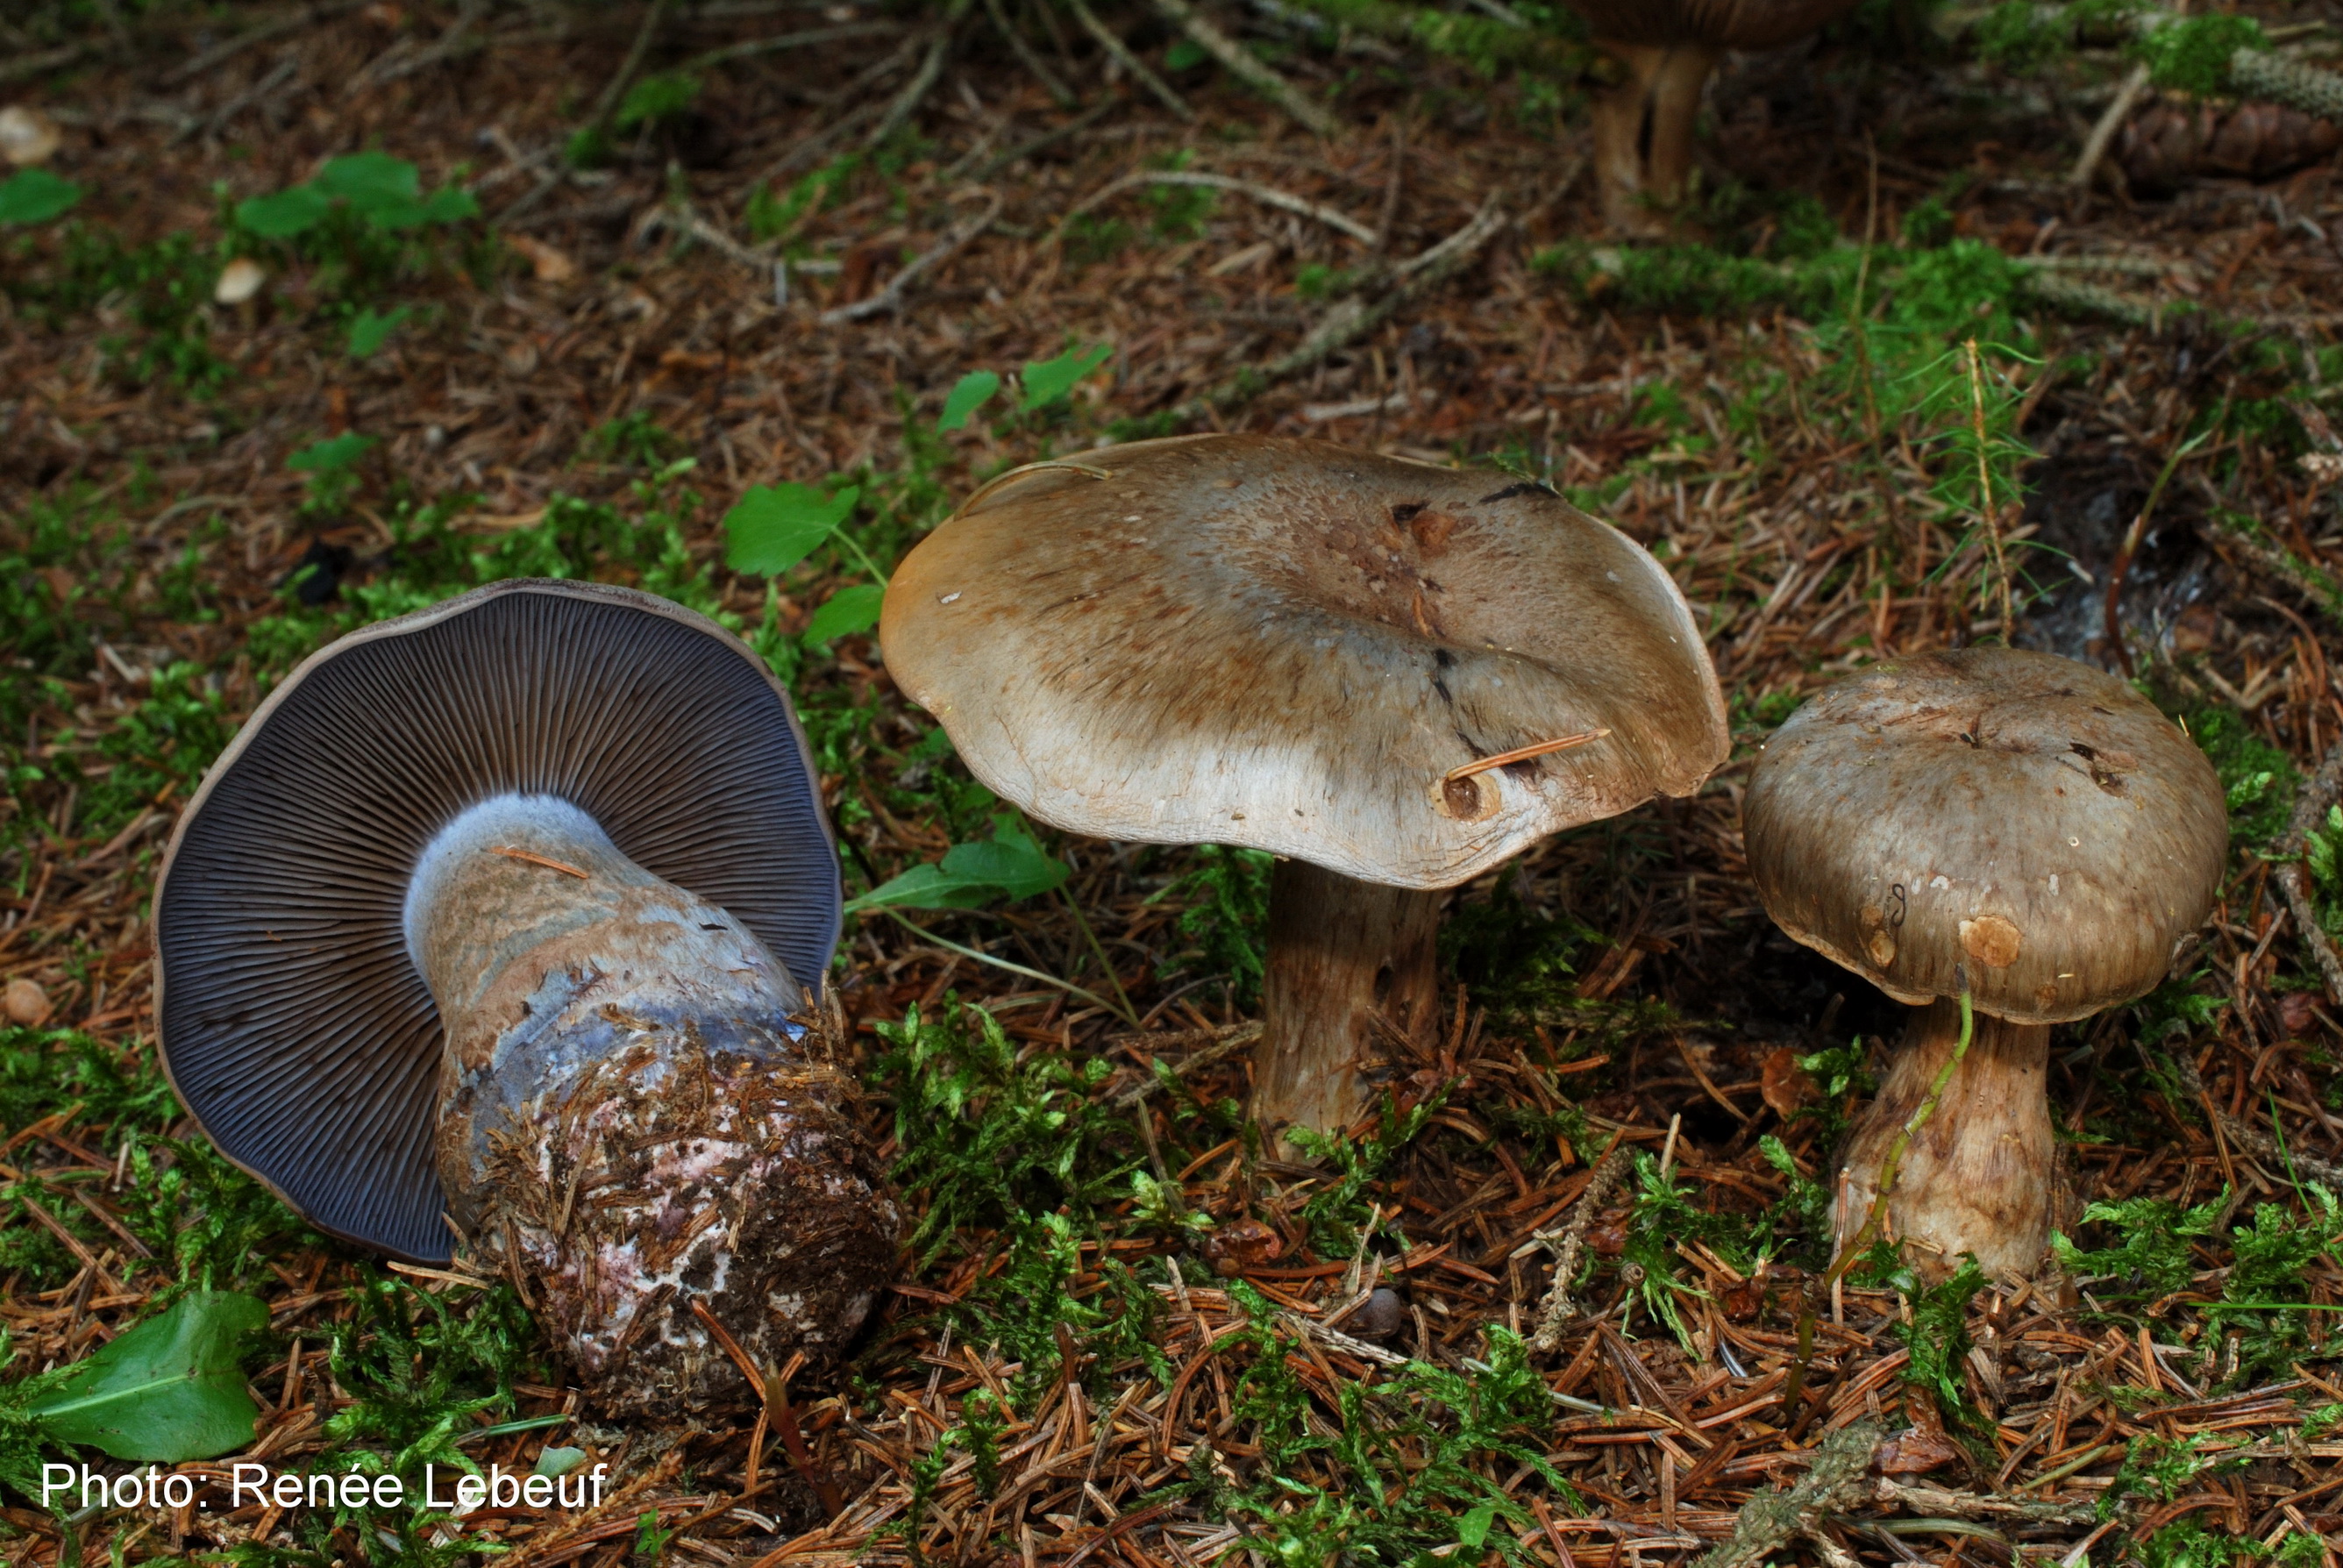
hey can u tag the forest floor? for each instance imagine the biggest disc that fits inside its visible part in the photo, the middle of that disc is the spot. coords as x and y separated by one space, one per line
1109 1339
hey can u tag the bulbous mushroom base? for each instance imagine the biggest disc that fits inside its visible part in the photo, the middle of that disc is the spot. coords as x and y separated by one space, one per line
1980 1176
1644 134
672 1177
1340 951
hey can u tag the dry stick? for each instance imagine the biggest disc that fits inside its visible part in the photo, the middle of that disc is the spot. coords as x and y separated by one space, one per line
2102 135
1060 94
1609 1174
1226 1042
931 69
293 22
1165 93
1268 196
2121 567
2319 793
892 297
781 41
1018 155
1838 1479
1248 68
218 120
1986 504
385 71
46 60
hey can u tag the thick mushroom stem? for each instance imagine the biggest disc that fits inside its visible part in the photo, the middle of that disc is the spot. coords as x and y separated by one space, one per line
1340 951
1644 134
630 1120
1978 1175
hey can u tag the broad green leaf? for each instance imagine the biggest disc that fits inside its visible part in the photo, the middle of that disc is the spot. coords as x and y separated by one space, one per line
450 203
172 1389
328 456
656 97
844 613
372 329
369 180
1474 1528
1182 53
1047 380
36 195
559 1461
968 396
1012 865
774 527
290 212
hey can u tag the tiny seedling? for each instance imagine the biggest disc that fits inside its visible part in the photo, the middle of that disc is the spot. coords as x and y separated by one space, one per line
772 528
332 467
370 329
1042 383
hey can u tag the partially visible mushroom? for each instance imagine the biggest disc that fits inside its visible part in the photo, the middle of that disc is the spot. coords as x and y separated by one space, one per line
1394 676
2015 824
27 137
1645 125
499 922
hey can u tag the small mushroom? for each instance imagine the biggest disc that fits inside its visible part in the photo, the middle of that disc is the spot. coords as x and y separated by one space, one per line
498 922
26 1005
1643 125
1392 676
2014 824
27 137
240 280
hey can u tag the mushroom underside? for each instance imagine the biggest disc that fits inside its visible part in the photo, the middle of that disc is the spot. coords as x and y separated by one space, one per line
1979 1176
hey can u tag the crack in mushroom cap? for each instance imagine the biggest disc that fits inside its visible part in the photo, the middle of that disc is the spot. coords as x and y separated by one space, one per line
1751 24
2031 820
294 1024
1287 645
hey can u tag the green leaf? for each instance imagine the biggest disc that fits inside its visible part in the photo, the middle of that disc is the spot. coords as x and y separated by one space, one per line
844 613
36 195
450 203
1012 865
1048 381
330 455
654 99
1182 53
372 329
172 1389
559 1461
290 212
968 394
370 181
772 528
1474 1528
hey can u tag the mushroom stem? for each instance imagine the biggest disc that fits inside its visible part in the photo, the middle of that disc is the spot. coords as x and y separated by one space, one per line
1644 133
1340 951
1977 1175
629 1121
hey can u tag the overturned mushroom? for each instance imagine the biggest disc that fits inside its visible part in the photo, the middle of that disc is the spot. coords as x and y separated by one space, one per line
496 922
1397 676
2013 824
1643 125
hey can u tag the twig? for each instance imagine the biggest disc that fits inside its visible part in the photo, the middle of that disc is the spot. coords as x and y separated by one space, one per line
1523 753
2121 567
614 90
1048 138
2312 582
1069 987
931 67
1248 67
285 72
2127 99
1936 1500
1348 320
1165 93
1569 1243
2248 1137
1060 94
1986 506
892 297
292 22
781 41
2319 793
1224 1043
24 65
761 262
387 70
1838 1478
1268 196
772 1389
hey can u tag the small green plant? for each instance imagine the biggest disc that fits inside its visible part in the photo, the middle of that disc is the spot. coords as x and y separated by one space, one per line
2154 1255
2192 53
1010 865
1044 384
373 191
331 466
36 195
659 97
1227 917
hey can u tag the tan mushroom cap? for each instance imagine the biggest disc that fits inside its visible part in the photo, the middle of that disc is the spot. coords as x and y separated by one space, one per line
2031 820
1288 645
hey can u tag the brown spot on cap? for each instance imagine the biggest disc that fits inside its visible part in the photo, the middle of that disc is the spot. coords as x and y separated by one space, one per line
1992 941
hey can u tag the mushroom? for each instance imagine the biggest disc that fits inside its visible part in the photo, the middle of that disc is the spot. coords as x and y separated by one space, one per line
1643 125
1392 676
499 922
2014 825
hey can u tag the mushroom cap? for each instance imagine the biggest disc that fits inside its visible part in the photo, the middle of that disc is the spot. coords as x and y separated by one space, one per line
1288 645
294 1024
1716 23
2030 822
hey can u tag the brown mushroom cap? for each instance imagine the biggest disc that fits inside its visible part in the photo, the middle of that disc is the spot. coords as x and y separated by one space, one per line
1288 645
293 1023
1717 23
2032 822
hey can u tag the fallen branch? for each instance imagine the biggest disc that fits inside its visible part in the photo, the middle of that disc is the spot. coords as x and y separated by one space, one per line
1348 320
1837 1480
1119 52
1569 1242
1248 67
1268 196
931 69
1938 1502
892 297
1060 94
2274 79
2102 135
